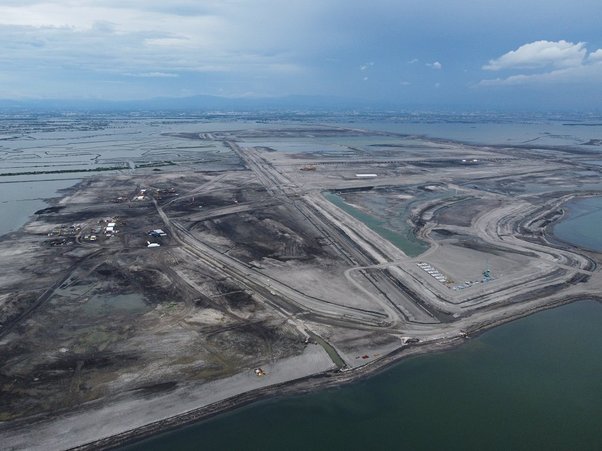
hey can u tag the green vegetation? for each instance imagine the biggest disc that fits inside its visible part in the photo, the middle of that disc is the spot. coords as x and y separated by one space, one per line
64 171
98 169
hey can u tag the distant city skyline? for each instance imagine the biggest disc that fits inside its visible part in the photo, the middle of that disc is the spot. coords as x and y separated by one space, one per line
530 54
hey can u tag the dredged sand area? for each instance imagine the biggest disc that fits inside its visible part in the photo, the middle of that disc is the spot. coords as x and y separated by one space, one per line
257 269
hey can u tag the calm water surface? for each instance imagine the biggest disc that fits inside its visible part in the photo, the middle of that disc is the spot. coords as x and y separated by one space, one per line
531 384
581 226
404 239
20 199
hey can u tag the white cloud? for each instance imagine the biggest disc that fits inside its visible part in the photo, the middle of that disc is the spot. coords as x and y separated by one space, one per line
148 38
561 62
169 42
586 73
153 75
540 54
70 47
595 56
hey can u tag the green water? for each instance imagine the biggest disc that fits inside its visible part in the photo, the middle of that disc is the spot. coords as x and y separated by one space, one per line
531 384
406 241
120 303
581 226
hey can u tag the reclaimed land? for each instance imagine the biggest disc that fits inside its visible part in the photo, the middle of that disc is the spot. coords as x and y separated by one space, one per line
143 301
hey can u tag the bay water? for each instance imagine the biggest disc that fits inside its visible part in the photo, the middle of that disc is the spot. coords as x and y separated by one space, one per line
532 384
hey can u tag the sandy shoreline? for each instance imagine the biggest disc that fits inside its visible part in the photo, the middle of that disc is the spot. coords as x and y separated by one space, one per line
307 384
334 378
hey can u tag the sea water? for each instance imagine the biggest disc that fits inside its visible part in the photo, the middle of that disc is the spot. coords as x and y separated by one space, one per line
530 384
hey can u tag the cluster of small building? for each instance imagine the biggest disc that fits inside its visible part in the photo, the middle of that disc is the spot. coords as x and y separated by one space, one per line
66 235
105 227
141 195
156 233
60 241
144 194
466 284
110 229
91 236
161 193
71 230
432 271
487 277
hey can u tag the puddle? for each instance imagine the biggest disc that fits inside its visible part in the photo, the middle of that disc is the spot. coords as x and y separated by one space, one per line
404 238
122 303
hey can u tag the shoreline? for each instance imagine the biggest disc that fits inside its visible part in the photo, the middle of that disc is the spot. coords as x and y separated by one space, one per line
332 379
448 336
317 381
549 232
312 383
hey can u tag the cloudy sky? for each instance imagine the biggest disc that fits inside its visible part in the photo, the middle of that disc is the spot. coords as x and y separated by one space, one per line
486 53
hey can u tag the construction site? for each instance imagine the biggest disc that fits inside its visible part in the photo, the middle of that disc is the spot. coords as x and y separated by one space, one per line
298 257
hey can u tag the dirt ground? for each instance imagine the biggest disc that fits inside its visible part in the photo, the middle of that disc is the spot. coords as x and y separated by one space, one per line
253 268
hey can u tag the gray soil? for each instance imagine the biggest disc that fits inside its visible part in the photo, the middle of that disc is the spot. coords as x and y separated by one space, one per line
106 339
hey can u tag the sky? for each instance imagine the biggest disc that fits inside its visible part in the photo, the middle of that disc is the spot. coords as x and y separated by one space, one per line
523 54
